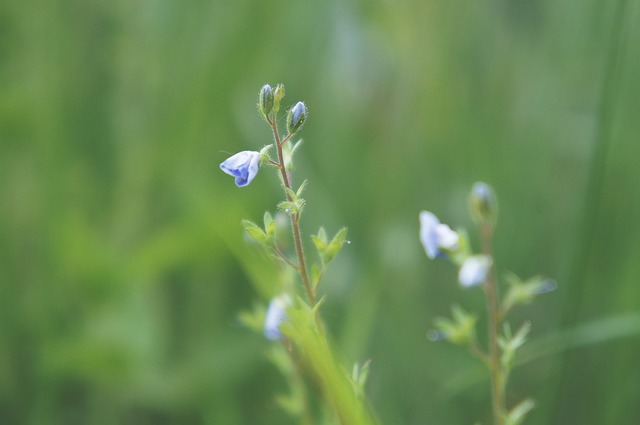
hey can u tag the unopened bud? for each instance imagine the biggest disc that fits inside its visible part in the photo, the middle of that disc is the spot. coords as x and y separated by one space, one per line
296 117
265 100
482 204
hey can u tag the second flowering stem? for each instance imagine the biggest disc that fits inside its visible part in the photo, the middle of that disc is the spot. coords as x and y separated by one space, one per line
491 291
295 216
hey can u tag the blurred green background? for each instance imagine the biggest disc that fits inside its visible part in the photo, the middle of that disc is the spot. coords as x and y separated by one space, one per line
123 266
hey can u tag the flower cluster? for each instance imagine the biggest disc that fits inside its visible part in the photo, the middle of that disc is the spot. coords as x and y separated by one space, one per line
291 318
440 241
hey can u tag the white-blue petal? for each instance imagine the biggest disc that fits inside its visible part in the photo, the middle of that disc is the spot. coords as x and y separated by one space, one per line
474 270
243 166
276 314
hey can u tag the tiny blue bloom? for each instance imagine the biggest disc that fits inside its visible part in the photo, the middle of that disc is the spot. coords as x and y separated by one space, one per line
243 166
435 236
474 270
276 314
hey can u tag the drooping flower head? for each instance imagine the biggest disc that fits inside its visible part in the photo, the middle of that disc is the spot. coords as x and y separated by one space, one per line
436 237
276 314
474 270
243 166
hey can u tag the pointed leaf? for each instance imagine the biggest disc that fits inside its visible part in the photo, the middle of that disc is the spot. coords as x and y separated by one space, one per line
518 413
302 187
269 226
255 232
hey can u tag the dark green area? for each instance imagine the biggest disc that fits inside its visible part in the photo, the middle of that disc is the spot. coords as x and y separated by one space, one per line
123 265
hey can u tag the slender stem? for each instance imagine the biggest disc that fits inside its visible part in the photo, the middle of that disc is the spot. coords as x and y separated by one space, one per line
491 291
477 351
295 217
285 258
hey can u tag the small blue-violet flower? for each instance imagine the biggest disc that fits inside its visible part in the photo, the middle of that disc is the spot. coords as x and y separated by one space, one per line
474 270
276 314
436 237
243 166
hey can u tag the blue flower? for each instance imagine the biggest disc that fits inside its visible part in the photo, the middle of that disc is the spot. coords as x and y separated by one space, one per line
243 166
435 236
276 314
474 270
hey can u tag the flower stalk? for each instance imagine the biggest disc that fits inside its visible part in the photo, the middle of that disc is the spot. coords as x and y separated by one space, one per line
295 216
493 309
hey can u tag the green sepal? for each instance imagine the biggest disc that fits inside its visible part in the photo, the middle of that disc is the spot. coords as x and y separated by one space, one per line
255 232
265 158
464 248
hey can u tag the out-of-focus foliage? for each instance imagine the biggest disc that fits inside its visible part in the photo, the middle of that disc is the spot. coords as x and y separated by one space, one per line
123 266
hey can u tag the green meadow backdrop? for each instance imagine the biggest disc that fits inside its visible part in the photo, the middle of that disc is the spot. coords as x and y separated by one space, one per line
123 265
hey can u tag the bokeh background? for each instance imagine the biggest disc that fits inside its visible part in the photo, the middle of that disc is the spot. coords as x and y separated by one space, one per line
123 265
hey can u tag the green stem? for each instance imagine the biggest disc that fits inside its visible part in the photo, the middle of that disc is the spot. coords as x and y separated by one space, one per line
295 217
491 292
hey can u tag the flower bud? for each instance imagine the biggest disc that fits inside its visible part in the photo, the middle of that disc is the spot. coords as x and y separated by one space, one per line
296 117
482 204
278 94
265 100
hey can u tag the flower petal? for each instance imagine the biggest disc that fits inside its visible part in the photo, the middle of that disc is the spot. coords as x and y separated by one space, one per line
436 236
243 166
276 314
474 270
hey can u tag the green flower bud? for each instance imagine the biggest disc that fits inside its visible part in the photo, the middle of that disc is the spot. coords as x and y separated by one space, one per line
483 204
278 94
296 117
265 100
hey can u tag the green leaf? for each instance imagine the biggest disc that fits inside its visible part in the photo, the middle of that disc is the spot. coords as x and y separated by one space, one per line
320 241
460 330
255 232
316 275
520 292
518 413
335 245
269 226
510 344
290 193
285 206
295 146
302 187
253 319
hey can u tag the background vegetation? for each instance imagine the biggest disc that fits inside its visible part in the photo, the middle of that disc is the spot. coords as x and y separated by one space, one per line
123 266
